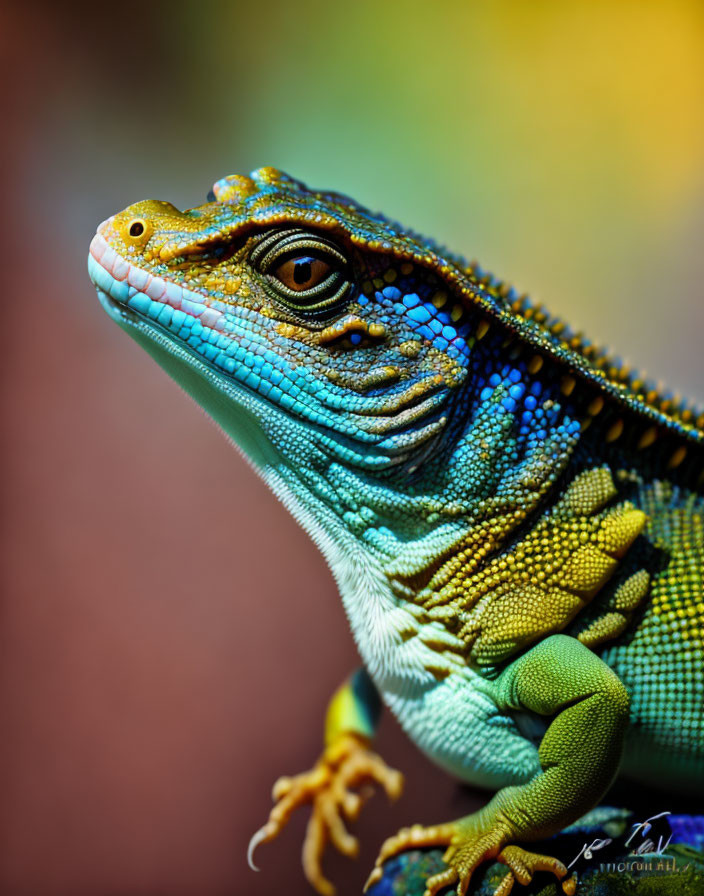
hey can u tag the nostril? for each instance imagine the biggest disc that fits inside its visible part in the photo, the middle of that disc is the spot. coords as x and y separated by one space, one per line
136 227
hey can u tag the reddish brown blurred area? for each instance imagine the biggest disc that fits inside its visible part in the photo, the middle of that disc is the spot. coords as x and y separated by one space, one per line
169 636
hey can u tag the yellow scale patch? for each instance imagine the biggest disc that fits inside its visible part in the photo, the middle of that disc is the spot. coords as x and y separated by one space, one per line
540 585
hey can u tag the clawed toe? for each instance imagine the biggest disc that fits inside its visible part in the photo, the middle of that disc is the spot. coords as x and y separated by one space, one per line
414 837
327 789
435 883
523 865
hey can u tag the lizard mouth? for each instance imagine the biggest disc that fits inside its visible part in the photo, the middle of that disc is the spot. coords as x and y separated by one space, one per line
131 293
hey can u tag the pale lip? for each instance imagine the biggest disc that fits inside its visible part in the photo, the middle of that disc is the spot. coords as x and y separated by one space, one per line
119 281
107 257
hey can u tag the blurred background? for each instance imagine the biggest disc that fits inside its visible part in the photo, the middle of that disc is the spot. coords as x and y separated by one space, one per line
169 637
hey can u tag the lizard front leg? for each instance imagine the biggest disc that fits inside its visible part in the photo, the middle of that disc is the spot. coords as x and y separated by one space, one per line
579 757
346 763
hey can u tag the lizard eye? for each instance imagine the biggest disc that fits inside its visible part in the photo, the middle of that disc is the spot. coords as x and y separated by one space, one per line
306 272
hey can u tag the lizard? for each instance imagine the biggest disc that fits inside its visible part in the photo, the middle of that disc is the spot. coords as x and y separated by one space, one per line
512 516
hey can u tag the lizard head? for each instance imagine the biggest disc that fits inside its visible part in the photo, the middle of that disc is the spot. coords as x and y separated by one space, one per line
314 326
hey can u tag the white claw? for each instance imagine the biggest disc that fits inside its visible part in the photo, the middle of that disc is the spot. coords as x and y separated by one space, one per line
258 838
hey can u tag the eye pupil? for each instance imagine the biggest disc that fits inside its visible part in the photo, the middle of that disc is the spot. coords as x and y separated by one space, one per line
302 273
136 228
302 270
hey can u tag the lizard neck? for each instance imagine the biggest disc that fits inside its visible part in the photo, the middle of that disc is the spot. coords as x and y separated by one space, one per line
399 649
387 537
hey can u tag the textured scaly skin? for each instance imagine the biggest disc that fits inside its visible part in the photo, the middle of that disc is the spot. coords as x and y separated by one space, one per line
513 519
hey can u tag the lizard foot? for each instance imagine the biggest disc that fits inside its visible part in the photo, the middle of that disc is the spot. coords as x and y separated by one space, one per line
466 850
347 763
